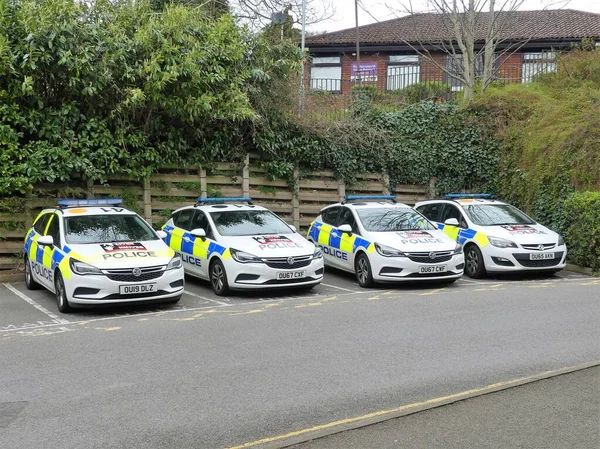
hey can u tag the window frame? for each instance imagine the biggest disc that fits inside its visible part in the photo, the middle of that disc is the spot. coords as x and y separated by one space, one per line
336 84
546 58
57 239
189 221
329 210
395 61
38 222
354 223
208 229
456 85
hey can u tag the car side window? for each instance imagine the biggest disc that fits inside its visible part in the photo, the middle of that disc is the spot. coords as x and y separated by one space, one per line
451 211
40 224
330 215
431 211
200 221
182 219
347 217
54 231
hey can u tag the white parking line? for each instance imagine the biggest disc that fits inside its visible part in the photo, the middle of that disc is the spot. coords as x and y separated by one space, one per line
339 288
221 303
30 301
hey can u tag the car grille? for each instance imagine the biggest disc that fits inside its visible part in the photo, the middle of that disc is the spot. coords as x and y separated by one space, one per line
536 246
281 263
443 256
431 275
126 274
523 259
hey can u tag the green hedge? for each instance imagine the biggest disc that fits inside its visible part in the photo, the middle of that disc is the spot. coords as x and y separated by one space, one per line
582 232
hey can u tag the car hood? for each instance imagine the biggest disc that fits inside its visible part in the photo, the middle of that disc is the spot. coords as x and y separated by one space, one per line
122 254
414 241
279 245
527 234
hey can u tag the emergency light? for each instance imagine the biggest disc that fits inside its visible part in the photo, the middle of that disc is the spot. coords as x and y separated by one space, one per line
94 202
369 197
244 199
468 195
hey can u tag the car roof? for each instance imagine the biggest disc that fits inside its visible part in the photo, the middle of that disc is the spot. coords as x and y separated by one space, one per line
78 211
221 207
366 204
462 202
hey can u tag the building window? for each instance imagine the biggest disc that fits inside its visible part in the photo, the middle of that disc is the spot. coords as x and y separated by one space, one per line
536 63
453 65
326 73
402 71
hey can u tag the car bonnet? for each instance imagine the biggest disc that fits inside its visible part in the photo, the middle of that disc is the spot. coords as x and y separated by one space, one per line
270 245
414 241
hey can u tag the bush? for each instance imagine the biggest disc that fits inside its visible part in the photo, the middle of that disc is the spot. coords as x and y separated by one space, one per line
425 91
582 233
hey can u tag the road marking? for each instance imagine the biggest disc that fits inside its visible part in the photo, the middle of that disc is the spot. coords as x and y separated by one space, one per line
339 288
221 303
41 308
320 431
433 292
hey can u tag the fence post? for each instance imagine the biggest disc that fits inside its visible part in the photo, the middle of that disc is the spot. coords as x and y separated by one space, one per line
203 186
147 200
431 191
28 214
386 184
296 199
90 189
341 189
246 176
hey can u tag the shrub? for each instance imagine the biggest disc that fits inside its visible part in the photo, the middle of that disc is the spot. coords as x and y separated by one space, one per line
425 91
582 233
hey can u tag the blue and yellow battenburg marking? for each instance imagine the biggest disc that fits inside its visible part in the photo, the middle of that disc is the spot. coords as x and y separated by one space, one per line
186 243
462 235
325 235
48 257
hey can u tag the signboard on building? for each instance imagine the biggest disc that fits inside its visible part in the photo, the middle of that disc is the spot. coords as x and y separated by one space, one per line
367 71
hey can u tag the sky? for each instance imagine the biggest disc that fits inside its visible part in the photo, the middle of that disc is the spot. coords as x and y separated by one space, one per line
344 17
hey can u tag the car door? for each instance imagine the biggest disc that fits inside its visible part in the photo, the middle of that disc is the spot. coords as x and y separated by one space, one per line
179 238
53 254
454 232
35 252
329 218
199 250
344 241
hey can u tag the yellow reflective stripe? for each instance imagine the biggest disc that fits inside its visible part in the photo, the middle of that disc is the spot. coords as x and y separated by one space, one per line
200 248
176 238
48 224
33 247
226 254
347 243
371 248
47 257
64 267
324 234
451 231
481 239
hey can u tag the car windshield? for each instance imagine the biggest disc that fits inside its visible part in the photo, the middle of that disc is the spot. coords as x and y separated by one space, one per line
249 222
393 219
107 229
496 214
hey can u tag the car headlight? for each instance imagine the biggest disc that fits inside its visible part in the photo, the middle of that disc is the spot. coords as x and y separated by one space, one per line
83 268
561 240
458 248
387 251
318 254
175 263
502 243
242 257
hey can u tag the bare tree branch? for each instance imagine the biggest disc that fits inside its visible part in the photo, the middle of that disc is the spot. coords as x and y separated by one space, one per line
257 13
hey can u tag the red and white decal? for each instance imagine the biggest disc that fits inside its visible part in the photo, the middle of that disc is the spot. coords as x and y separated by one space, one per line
126 246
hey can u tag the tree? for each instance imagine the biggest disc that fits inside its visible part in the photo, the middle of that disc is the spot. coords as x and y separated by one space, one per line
257 13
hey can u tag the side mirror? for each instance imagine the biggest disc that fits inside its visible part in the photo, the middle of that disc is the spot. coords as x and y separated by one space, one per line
198 232
452 222
293 228
46 240
345 228
162 234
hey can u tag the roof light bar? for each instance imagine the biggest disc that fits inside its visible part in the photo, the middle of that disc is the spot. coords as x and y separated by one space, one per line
94 202
244 199
468 195
369 197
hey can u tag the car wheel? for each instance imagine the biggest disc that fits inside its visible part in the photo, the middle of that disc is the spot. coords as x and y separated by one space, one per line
362 268
29 281
61 294
474 266
218 278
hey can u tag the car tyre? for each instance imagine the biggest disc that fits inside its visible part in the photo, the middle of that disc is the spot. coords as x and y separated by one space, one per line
30 283
218 278
62 301
362 268
474 265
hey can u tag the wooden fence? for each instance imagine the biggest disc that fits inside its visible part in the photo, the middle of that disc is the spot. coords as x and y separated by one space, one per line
298 202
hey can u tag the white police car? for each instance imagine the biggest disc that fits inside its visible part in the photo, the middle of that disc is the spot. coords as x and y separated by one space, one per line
241 246
497 237
91 252
383 241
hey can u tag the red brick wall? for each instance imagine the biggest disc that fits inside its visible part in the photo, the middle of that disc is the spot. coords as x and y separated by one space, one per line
431 71
510 67
379 58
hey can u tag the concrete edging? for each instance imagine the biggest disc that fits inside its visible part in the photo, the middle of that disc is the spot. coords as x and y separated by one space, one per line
578 269
12 277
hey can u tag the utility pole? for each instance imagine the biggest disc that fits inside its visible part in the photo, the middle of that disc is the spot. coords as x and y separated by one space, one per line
302 81
358 72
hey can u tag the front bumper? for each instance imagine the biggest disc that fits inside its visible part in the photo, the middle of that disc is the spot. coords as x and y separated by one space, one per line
252 276
519 259
99 289
396 269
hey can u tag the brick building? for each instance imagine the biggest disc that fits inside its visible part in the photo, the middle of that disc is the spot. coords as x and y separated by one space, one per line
527 45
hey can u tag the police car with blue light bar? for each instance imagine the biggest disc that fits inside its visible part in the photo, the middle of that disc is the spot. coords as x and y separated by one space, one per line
237 245
381 240
497 237
92 252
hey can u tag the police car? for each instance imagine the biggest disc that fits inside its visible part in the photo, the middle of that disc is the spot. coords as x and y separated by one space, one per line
497 237
91 252
238 245
381 240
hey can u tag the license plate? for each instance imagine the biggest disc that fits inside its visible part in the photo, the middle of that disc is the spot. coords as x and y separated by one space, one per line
136 289
541 256
291 274
432 269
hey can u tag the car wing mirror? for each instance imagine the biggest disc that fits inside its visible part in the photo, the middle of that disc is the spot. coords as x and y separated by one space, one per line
345 228
293 228
452 222
198 232
46 240
162 234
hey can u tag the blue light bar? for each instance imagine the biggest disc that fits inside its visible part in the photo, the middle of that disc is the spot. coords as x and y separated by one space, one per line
244 199
468 195
94 202
369 197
